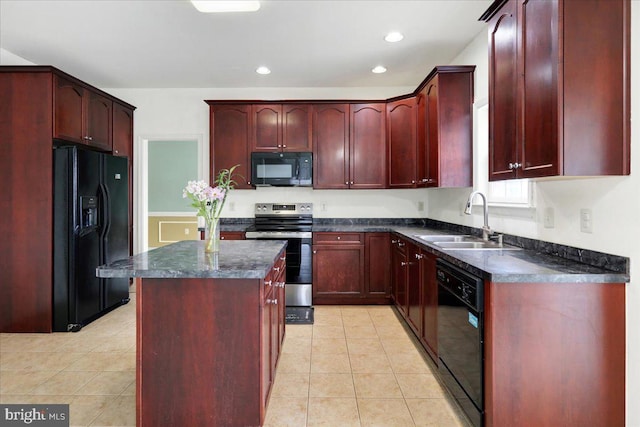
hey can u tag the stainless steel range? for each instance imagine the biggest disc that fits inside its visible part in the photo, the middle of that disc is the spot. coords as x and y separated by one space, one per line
291 222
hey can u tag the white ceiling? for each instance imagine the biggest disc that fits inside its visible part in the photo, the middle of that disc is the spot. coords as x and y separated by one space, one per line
159 44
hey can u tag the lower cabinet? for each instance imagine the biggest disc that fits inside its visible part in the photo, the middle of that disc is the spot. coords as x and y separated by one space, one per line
232 235
338 267
273 316
351 268
415 290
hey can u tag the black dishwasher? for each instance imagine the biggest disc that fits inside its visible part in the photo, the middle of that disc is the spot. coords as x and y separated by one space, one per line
460 337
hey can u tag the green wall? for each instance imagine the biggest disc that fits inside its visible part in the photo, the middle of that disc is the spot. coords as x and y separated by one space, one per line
171 165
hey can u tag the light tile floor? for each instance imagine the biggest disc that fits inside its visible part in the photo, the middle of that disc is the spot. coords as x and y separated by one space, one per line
357 365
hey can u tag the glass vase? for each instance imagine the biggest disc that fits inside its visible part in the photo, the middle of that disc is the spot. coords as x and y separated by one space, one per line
212 236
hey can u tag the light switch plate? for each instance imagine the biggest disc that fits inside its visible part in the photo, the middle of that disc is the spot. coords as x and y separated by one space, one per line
586 220
549 220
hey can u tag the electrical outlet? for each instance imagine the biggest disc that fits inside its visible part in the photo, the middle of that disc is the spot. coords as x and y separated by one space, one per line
186 231
232 206
586 220
549 218
420 206
323 206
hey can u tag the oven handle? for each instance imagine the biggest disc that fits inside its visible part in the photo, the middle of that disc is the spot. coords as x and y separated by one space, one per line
278 235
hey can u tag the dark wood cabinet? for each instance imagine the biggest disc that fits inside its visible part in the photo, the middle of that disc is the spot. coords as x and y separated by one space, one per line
349 146
399 274
281 127
414 288
444 128
81 115
54 105
216 341
401 139
569 343
368 146
338 267
558 88
428 302
230 130
331 146
377 268
232 235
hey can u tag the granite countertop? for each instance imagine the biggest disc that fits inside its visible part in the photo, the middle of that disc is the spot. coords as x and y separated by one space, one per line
238 259
527 265
516 266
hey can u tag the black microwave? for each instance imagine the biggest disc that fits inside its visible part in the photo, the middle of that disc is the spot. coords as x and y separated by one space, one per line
282 169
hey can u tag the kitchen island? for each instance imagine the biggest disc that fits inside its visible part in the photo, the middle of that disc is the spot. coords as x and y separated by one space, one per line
209 331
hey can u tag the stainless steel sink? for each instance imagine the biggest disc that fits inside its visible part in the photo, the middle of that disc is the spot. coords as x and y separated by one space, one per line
474 245
442 238
462 242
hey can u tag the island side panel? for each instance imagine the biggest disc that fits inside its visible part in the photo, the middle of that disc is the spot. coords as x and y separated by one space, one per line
198 360
555 354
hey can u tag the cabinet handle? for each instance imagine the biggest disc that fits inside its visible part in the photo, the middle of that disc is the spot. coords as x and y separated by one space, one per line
284 145
514 166
413 181
419 256
400 244
393 242
282 258
351 183
268 283
346 183
88 138
276 268
339 237
315 252
425 180
221 237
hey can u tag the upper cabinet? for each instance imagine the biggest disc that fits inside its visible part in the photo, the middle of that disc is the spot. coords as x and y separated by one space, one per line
368 146
122 130
444 128
558 88
349 146
81 115
401 137
331 146
230 130
281 127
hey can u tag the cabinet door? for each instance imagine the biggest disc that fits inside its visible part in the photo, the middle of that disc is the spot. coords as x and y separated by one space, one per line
338 271
122 131
433 135
232 235
503 89
266 134
265 345
429 302
422 149
368 146
68 111
414 285
296 127
399 275
330 146
539 68
229 143
401 136
377 266
98 130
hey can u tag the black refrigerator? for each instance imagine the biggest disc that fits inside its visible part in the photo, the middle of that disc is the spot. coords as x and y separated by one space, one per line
91 228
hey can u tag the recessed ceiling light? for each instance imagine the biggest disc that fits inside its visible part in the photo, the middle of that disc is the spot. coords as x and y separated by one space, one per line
379 69
263 70
393 37
213 6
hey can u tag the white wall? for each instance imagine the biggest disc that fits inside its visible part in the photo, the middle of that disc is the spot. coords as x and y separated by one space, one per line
8 58
614 201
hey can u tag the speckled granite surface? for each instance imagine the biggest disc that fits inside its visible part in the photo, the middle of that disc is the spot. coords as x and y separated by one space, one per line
238 259
538 261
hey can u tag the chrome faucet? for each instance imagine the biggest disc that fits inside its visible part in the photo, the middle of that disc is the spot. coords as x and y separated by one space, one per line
486 231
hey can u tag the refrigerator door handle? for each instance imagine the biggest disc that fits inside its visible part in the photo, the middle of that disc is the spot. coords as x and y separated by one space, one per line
106 208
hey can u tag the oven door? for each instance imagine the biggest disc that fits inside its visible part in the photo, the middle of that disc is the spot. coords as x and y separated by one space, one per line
460 352
298 292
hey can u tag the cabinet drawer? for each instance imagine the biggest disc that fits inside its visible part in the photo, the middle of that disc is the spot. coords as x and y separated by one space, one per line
337 238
